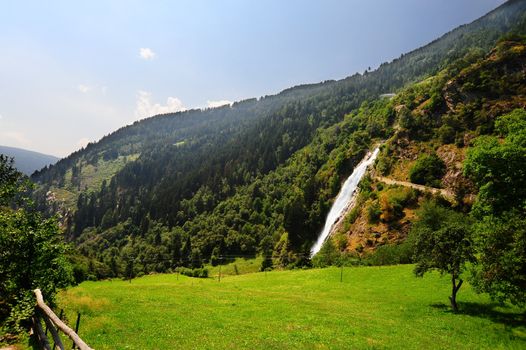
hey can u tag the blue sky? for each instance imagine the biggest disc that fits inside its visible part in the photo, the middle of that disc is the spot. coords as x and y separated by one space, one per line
72 71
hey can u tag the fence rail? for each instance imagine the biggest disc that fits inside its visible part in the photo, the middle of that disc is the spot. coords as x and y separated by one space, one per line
54 324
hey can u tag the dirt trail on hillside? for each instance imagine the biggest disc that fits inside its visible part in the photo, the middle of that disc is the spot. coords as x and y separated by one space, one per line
445 193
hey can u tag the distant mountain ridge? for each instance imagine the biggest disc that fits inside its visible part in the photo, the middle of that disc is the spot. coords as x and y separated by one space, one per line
28 161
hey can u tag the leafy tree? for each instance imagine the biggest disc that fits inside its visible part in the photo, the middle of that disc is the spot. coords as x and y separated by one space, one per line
328 255
442 241
282 249
10 180
498 169
502 262
428 170
266 249
195 259
32 253
215 259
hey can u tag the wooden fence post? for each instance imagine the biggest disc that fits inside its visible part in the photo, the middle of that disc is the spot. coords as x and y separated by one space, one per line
44 342
47 312
53 330
77 324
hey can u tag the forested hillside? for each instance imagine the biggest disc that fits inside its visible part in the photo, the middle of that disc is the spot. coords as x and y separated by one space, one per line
259 176
439 122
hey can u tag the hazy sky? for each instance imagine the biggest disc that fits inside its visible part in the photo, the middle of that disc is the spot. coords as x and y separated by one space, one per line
72 71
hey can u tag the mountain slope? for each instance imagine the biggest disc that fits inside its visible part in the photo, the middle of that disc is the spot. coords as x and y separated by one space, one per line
438 120
274 215
255 177
28 161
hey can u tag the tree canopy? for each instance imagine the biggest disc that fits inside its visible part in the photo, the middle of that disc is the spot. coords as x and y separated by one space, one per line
442 241
497 166
32 253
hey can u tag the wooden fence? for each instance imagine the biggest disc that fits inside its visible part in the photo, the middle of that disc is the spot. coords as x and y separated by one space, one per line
53 324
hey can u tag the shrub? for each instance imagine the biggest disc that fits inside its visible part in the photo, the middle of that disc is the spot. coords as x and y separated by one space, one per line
327 256
384 165
393 202
446 134
373 212
199 272
391 254
428 170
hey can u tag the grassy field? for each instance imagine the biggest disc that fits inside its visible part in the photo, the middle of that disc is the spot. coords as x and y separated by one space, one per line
374 307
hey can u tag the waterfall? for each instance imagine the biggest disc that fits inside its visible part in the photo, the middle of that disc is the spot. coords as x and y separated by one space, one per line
344 198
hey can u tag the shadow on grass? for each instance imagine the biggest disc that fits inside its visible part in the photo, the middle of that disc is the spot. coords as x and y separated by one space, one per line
487 311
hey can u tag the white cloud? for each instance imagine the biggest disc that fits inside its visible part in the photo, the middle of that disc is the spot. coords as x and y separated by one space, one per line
146 53
214 104
84 88
95 88
145 108
83 142
1 117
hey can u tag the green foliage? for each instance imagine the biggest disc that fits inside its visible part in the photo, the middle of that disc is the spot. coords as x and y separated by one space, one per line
498 169
283 251
512 123
502 262
373 212
329 255
195 272
384 164
391 254
266 250
393 201
442 241
446 134
32 254
11 181
428 170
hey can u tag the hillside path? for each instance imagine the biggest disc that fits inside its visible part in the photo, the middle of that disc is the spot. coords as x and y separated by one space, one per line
445 193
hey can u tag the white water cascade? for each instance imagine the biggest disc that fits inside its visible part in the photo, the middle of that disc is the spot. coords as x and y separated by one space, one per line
344 198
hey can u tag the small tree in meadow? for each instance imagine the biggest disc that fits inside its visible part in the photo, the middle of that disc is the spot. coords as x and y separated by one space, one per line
442 241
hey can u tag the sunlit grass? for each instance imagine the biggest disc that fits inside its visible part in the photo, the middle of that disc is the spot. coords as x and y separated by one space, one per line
374 307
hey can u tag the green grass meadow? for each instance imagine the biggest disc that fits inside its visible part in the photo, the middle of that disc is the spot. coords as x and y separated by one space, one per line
374 307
